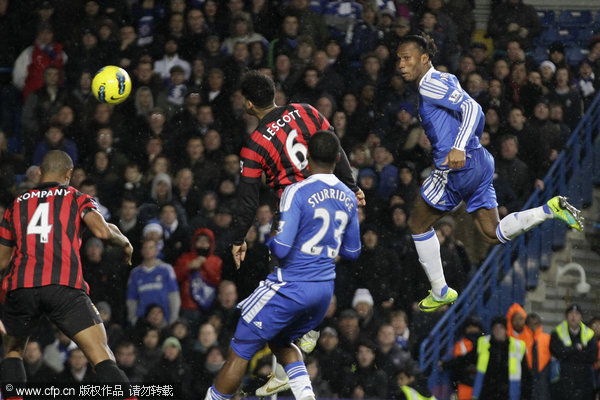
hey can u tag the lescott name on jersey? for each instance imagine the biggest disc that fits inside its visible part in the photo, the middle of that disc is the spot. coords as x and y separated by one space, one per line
333 194
286 118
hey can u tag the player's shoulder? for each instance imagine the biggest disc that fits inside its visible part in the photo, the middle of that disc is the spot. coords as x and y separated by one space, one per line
436 84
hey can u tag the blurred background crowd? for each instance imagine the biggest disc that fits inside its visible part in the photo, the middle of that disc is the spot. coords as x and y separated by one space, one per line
164 165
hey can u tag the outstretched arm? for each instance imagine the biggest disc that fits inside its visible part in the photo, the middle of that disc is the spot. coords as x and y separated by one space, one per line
108 232
5 256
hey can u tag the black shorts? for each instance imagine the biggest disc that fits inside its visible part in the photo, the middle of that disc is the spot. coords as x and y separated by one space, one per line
69 308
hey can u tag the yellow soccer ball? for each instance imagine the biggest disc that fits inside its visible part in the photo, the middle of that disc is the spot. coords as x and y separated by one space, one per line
111 84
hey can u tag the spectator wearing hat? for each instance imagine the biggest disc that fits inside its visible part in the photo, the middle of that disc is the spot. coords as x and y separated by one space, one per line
404 131
547 70
198 273
502 370
172 367
572 343
362 303
556 53
366 380
513 20
569 97
30 66
334 361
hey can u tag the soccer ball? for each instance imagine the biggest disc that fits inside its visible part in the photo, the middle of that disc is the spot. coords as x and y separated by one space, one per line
111 84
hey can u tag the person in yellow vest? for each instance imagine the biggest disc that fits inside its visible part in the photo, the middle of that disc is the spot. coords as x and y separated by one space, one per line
538 357
502 371
463 365
573 344
412 385
594 323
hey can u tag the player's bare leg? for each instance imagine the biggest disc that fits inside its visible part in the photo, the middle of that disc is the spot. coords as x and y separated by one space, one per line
94 344
487 222
278 379
229 379
12 369
291 358
421 222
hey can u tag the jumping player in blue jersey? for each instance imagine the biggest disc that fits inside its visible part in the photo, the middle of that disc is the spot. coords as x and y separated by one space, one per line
464 170
318 221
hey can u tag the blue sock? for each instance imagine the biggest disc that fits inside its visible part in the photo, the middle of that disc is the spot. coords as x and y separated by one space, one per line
214 394
299 379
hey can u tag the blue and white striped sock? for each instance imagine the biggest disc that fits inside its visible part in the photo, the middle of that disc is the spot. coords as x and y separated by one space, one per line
299 380
213 394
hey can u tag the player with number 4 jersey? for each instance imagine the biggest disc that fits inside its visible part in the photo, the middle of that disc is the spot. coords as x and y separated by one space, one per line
39 257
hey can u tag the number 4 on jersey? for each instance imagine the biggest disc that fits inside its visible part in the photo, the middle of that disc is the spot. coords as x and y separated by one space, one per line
38 224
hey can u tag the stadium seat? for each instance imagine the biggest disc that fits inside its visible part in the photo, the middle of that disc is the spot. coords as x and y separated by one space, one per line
574 18
547 17
597 20
583 36
574 54
548 35
315 6
540 53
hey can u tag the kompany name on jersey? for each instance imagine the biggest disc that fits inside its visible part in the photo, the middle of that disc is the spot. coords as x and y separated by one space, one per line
43 194
333 194
275 126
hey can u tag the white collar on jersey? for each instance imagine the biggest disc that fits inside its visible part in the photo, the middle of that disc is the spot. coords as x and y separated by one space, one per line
330 179
427 75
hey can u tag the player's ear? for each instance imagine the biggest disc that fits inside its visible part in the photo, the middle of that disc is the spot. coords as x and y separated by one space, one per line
424 58
69 175
338 158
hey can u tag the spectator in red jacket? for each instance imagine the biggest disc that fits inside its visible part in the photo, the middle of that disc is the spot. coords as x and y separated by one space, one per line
198 274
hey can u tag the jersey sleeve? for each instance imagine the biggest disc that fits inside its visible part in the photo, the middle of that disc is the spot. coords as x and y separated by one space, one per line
247 193
7 237
282 243
85 204
351 246
444 93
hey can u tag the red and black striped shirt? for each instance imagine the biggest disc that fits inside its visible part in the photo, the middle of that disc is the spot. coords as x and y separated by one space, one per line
43 225
279 147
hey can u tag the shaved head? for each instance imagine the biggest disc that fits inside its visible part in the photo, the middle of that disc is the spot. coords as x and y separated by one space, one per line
56 162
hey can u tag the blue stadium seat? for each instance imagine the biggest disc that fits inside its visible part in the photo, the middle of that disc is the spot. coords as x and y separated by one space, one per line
547 17
548 36
597 20
567 36
583 36
574 18
316 6
574 54
540 53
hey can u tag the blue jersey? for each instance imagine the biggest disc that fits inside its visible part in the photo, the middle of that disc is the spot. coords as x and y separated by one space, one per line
152 285
450 117
318 221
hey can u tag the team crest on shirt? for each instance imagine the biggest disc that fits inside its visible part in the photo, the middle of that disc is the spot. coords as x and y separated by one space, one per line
455 97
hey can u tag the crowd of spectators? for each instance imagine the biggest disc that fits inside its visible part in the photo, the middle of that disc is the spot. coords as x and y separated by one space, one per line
164 165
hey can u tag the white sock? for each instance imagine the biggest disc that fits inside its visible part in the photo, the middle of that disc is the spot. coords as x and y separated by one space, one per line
520 222
280 372
428 248
299 380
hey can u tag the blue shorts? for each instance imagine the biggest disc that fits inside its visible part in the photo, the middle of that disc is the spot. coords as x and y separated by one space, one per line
279 313
473 184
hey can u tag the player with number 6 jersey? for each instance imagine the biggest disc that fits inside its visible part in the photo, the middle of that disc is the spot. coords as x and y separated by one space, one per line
278 147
